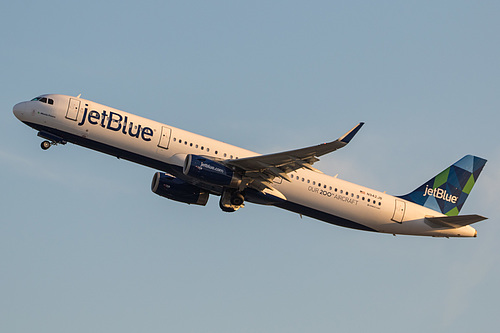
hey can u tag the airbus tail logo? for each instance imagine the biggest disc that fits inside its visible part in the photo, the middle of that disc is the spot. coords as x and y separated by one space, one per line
439 193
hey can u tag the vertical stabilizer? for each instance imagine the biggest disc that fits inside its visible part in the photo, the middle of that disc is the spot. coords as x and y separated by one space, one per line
448 191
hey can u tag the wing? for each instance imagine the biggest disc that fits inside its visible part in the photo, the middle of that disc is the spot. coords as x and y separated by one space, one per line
259 171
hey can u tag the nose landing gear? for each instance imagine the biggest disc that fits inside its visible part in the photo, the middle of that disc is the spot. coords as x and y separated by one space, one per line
51 140
45 145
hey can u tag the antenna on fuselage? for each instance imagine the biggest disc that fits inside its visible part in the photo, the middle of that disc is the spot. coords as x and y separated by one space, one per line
78 95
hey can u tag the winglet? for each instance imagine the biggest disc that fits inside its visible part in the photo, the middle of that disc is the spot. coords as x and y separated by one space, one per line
346 138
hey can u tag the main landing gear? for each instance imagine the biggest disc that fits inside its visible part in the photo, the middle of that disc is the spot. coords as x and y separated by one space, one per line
231 200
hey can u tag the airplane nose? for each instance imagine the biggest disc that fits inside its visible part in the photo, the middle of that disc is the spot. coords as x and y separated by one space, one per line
19 109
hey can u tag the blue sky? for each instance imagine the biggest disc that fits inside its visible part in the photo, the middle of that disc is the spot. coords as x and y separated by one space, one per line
86 247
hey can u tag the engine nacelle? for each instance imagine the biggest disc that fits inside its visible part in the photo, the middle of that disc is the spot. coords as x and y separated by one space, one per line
176 189
210 172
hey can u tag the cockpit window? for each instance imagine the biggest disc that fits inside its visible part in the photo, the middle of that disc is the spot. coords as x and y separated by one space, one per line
44 100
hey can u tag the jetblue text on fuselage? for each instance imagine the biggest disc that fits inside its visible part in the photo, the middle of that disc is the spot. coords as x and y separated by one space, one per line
116 122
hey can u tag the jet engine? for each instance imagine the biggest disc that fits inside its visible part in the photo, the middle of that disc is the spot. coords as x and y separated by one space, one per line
176 189
211 172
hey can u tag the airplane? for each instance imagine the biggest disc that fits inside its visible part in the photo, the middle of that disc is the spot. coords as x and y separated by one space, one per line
191 167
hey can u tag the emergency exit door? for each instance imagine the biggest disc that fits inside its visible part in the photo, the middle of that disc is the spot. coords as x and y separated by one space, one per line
164 137
73 108
399 211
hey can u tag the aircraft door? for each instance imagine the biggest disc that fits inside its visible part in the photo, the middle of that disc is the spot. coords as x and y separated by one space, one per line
73 108
399 211
164 137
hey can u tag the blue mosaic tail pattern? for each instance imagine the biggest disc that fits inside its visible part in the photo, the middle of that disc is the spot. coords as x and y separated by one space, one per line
448 191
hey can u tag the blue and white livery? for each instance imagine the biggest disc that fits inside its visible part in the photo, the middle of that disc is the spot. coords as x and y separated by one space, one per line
192 167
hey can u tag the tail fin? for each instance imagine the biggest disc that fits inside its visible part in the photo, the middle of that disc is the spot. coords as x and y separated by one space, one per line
447 192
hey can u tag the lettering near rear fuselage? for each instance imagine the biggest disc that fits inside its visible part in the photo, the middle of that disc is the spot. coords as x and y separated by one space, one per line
335 196
114 121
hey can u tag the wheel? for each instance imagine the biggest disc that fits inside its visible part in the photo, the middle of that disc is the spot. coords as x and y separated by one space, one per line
226 209
237 199
45 145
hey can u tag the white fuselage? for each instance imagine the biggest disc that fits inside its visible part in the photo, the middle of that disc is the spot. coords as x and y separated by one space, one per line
165 148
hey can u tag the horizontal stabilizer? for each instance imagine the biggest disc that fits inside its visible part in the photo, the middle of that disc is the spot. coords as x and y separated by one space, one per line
455 221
